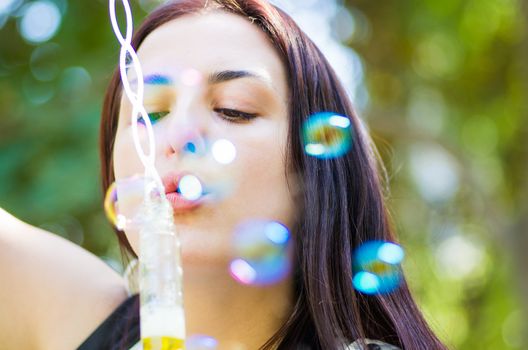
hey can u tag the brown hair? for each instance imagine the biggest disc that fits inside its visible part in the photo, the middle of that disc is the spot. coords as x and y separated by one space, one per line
343 205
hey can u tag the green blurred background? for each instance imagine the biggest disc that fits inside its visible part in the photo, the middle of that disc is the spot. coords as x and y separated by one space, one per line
442 86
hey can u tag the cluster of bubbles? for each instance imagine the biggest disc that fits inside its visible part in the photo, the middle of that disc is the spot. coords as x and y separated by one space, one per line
37 21
377 267
260 247
208 156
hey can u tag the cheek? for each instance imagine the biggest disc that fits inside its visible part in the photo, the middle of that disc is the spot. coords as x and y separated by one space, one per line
262 189
126 161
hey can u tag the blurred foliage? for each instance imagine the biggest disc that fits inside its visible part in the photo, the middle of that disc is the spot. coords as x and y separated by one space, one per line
447 83
448 87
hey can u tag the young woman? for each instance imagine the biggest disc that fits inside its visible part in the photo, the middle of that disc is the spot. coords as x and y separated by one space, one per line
260 79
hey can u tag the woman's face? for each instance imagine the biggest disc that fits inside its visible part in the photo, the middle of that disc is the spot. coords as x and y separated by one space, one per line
209 77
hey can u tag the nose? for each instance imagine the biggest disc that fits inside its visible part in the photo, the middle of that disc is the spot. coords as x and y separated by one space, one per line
186 128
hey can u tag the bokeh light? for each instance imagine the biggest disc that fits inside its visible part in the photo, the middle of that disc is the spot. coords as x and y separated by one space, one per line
377 267
460 257
327 135
37 92
40 21
262 253
8 6
332 26
74 84
434 171
43 62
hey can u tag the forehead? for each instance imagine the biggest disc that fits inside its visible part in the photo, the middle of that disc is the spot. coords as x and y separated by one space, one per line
211 42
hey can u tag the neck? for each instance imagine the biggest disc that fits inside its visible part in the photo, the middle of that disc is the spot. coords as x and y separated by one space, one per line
239 317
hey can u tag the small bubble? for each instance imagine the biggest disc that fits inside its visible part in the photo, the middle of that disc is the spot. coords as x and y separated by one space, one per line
190 187
223 151
327 135
377 267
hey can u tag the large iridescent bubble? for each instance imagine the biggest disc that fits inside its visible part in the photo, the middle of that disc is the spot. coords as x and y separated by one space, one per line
261 253
377 267
123 201
327 135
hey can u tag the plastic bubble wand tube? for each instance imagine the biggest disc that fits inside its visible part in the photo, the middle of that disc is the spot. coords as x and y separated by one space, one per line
162 319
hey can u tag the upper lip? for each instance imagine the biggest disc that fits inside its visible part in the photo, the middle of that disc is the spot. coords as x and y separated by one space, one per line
170 181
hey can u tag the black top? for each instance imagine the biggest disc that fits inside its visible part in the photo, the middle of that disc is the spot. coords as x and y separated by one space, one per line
120 331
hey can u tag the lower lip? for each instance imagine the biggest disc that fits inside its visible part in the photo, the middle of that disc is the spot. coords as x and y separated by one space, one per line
180 204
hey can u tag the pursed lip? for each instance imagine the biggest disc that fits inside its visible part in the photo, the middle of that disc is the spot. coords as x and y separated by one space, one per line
179 203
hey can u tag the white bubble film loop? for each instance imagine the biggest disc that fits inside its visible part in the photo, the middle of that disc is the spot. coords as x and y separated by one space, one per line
135 98
160 272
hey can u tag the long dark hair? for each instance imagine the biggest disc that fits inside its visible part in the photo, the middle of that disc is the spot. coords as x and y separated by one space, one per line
343 202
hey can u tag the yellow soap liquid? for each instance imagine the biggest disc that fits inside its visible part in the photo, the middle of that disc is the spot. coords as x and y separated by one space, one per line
163 343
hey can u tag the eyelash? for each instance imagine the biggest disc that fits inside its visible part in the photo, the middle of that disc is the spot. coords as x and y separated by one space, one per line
234 115
231 115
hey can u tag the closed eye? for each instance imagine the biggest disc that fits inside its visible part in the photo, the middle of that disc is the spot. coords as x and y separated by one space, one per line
234 115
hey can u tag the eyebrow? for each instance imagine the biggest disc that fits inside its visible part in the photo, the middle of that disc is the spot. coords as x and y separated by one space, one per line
227 75
214 78
218 77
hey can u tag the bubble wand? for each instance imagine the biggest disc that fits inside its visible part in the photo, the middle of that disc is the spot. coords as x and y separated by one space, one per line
162 319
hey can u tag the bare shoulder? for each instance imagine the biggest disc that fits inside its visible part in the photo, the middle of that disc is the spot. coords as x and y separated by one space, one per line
53 293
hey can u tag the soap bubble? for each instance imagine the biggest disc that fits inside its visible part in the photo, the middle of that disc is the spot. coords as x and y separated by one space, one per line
327 135
201 342
377 267
123 201
190 187
262 253
223 151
